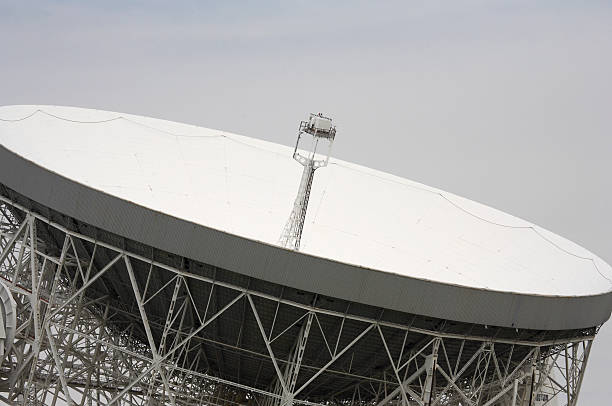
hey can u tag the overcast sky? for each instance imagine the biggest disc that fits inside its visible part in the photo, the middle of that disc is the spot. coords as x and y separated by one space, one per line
505 102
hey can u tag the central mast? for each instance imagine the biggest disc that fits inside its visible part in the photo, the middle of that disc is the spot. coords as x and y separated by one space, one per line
319 130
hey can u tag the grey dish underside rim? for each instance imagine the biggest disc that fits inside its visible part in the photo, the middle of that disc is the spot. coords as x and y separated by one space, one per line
295 269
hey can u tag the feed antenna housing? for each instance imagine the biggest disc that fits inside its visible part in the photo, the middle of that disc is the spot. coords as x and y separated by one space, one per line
318 130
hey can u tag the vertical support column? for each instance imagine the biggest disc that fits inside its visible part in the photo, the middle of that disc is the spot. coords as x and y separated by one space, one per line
585 358
430 368
529 397
514 392
30 391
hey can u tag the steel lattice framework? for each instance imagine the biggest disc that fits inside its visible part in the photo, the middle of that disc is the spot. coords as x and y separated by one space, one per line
100 321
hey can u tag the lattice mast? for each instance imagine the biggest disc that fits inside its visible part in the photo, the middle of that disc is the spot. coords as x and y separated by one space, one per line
320 131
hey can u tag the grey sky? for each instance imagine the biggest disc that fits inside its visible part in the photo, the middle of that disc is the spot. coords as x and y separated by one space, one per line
508 103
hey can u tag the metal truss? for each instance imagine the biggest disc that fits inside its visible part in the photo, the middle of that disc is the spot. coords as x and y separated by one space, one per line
292 232
69 350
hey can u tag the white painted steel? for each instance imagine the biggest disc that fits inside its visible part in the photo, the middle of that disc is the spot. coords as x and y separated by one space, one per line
8 320
71 351
246 187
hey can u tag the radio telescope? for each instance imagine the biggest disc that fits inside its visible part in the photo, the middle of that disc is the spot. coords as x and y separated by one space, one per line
141 264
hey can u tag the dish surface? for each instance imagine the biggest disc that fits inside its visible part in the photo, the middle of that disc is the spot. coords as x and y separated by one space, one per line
244 187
